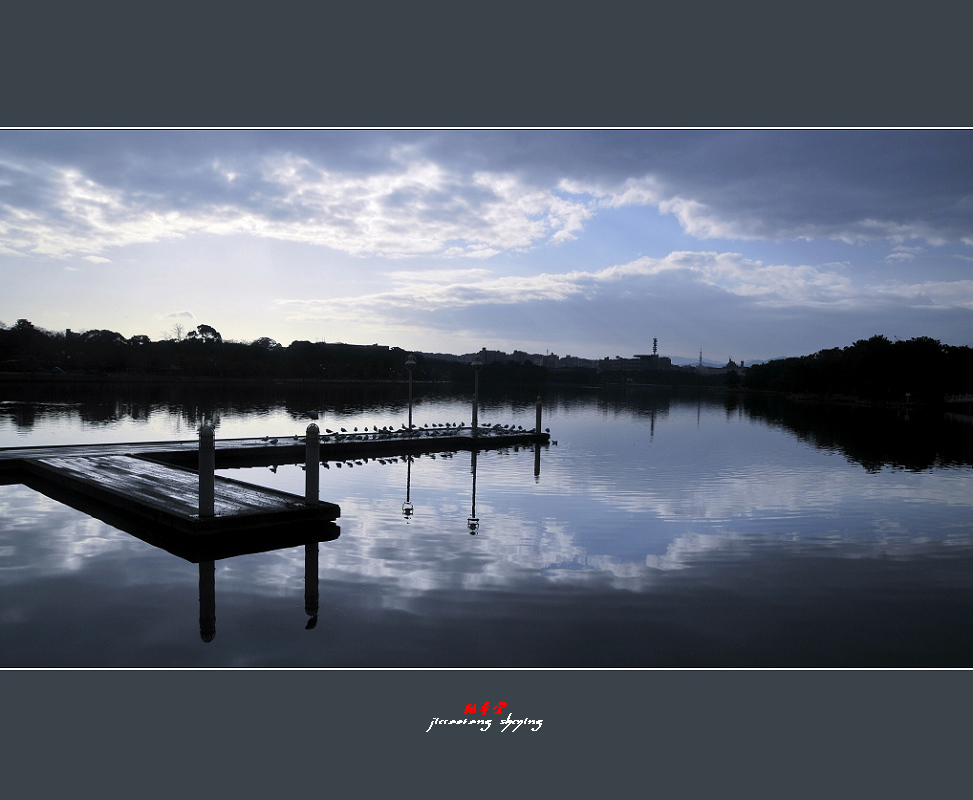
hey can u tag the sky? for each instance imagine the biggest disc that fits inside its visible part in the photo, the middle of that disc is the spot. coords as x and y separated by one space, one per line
742 244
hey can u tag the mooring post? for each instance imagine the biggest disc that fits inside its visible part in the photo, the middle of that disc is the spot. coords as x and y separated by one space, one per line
312 458
207 470
537 424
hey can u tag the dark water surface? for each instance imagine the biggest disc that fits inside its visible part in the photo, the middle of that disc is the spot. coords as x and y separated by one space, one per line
663 529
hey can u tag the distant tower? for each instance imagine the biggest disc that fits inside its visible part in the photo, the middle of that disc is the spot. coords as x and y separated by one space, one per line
701 357
655 346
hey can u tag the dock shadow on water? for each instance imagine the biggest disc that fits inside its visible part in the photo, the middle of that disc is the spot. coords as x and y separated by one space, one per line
663 528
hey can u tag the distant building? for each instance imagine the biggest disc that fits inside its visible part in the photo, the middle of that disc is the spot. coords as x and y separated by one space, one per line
730 366
638 363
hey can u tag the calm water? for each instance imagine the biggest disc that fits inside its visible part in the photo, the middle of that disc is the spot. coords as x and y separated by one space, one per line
663 529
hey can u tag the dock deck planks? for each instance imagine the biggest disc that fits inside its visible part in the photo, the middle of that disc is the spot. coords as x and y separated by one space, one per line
170 494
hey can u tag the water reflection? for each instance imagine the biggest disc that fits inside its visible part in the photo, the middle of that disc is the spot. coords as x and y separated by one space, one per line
407 508
207 593
872 437
473 522
669 529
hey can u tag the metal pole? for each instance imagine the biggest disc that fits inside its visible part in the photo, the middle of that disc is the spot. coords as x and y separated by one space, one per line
537 424
312 458
207 471
410 362
476 398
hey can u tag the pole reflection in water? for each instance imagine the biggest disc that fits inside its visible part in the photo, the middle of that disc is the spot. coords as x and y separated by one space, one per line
407 509
472 523
207 600
311 599
207 589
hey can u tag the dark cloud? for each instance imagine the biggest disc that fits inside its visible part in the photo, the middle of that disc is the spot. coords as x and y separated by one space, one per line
749 184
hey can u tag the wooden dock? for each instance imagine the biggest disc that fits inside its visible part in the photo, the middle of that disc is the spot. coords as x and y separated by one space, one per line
159 486
170 495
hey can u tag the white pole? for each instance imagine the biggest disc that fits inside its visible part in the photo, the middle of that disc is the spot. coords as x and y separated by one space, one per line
207 471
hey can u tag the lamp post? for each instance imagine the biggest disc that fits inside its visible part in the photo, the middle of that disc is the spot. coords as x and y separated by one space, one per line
410 362
476 364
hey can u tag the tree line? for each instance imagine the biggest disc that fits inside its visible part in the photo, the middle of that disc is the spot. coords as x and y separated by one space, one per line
204 353
874 369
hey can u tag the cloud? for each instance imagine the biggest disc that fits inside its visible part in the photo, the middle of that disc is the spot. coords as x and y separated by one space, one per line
930 294
178 315
691 295
903 253
731 273
415 207
470 194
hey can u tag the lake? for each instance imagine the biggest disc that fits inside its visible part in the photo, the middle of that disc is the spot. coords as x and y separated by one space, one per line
669 528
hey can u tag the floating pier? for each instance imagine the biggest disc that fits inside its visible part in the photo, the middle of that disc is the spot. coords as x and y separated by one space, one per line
171 486
170 495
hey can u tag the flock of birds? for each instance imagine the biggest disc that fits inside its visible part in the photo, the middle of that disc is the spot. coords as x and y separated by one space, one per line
348 462
427 431
404 432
